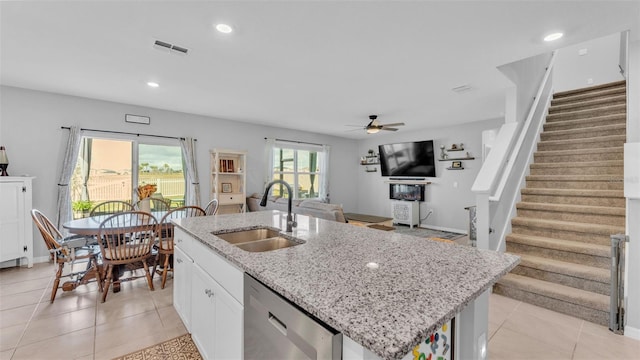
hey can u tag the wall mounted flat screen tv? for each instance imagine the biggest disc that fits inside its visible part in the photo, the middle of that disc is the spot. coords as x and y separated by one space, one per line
408 159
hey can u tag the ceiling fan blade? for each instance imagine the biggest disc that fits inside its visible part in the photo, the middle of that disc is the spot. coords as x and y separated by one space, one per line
388 128
394 124
360 126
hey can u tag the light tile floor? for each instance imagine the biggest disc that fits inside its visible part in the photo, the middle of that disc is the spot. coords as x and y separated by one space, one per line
78 326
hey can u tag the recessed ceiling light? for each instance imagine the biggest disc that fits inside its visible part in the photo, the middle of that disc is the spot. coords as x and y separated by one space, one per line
224 28
554 36
153 84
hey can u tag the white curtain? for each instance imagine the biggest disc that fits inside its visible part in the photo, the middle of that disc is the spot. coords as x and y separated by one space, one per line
268 161
324 170
192 196
68 165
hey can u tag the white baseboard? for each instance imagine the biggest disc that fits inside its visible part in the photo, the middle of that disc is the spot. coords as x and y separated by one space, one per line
443 228
632 332
23 261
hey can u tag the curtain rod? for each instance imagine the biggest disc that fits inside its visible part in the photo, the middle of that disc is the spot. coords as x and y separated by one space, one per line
128 133
297 142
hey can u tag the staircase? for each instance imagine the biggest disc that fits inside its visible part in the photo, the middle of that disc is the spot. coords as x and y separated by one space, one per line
572 203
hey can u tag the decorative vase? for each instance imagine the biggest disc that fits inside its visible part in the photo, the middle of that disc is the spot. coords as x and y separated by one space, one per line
145 205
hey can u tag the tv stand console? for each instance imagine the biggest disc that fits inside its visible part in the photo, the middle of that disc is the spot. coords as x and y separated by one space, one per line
405 212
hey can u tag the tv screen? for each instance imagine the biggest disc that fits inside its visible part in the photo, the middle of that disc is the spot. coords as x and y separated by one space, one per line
407 159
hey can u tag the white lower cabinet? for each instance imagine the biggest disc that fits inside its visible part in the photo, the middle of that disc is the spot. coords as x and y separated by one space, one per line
216 323
182 268
209 311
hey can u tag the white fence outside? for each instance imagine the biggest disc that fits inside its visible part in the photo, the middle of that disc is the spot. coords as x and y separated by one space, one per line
118 187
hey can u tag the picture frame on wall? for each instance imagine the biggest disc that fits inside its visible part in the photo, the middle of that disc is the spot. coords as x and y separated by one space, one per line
226 187
456 164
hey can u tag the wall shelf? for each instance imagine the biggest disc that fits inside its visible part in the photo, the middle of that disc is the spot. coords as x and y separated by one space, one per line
407 182
454 159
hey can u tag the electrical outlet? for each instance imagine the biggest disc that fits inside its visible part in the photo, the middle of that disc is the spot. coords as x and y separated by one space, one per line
589 81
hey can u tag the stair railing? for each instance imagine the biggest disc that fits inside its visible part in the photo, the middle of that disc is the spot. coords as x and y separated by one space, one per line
502 175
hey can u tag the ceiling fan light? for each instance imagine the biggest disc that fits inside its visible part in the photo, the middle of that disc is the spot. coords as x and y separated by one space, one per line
372 130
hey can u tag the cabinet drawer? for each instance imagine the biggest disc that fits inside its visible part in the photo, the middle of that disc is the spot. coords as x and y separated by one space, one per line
182 240
225 199
221 270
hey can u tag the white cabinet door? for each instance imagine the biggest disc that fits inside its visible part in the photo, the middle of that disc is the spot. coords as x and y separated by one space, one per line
182 267
216 321
228 325
203 311
15 219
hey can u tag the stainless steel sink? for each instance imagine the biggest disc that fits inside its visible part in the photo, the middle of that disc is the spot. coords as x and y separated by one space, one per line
258 240
243 236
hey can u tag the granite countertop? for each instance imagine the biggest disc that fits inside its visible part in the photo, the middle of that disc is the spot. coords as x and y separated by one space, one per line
418 286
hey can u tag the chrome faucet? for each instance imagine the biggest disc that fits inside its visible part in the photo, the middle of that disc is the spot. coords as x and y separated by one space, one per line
290 223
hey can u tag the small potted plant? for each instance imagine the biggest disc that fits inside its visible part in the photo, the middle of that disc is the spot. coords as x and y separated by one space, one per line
81 208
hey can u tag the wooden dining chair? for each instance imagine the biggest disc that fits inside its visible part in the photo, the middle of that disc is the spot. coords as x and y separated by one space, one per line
125 239
165 243
111 207
68 251
212 207
157 204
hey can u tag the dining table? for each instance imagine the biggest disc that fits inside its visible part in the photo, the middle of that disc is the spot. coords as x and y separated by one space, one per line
90 227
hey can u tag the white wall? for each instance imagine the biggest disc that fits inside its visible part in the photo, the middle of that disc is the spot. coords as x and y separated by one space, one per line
30 124
447 201
632 273
599 64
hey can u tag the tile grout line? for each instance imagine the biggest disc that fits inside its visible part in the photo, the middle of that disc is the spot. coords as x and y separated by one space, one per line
24 331
575 347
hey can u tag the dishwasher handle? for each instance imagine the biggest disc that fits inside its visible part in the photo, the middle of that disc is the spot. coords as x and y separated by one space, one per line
278 324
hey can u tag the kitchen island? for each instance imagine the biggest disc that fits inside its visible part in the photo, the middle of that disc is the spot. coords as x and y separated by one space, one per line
384 291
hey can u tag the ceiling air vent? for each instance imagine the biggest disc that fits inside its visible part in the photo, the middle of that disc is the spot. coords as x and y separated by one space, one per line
174 49
462 88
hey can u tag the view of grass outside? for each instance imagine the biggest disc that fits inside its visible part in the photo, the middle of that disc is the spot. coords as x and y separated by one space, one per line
107 167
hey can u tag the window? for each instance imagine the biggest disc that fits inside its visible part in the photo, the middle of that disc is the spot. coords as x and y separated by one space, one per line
105 171
300 166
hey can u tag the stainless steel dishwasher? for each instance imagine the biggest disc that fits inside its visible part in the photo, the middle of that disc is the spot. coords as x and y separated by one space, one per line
274 328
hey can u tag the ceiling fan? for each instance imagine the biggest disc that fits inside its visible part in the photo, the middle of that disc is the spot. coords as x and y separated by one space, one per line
374 126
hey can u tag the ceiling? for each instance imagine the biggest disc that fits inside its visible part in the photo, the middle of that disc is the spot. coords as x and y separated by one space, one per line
308 65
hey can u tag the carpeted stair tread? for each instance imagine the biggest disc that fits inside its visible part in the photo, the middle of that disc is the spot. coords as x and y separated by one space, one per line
574 192
600 93
594 151
595 88
577 114
588 164
565 268
595 141
561 245
589 103
606 177
593 130
588 122
579 209
556 291
600 229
